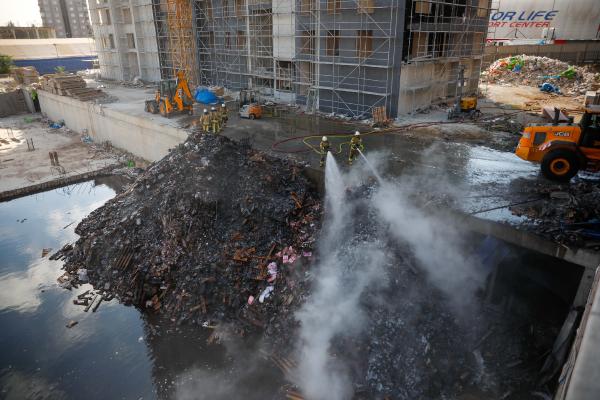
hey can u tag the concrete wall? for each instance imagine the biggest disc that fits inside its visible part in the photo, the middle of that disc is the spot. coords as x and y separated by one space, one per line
12 103
143 137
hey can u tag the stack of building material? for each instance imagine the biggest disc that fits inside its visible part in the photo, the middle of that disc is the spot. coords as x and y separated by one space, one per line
25 75
70 85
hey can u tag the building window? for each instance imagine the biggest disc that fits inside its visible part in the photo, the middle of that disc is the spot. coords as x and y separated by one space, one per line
422 7
332 47
228 40
364 43
126 15
130 41
107 16
482 8
111 39
366 6
239 7
307 42
333 6
241 39
306 6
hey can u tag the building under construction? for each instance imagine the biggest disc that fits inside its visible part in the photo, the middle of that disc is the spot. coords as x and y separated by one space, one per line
334 56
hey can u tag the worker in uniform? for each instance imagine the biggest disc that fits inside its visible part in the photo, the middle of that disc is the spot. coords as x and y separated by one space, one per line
223 114
215 120
205 121
355 146
324 147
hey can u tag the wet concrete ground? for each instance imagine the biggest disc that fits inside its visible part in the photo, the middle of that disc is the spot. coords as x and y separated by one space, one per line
474 165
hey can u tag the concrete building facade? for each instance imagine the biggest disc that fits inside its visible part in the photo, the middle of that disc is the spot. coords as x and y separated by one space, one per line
69 18
126 39
26 32
335 56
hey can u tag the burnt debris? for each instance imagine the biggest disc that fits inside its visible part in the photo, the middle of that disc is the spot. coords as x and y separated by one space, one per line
191 239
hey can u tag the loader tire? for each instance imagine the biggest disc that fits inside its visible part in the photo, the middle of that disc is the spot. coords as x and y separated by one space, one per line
560 165
162 107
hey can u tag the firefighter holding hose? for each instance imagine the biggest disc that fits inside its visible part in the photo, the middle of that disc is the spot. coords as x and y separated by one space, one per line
215 120
223 113
324 148
205 121
355 146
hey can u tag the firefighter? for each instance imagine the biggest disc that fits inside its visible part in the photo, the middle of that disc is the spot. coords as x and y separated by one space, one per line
324 146
355 146
223 114
205 121
215 120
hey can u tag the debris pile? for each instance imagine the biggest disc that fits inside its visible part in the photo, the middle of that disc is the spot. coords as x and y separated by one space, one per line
537 71
565 214
70 85
25 75
201 234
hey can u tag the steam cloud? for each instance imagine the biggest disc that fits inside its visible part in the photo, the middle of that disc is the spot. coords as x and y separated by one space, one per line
351 265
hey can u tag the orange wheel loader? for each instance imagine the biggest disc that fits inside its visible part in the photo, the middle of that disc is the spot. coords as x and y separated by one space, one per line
172 96
563 149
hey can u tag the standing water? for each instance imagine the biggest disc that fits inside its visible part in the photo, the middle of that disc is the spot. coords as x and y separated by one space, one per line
113 353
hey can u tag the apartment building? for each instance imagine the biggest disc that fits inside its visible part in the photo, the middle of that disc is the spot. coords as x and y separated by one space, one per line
126 39
69 18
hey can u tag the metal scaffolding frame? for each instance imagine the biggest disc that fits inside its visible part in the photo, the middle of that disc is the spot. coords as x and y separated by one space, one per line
176 38
449 34
350 48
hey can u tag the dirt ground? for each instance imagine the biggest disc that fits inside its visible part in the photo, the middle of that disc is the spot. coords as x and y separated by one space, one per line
530 98
20 167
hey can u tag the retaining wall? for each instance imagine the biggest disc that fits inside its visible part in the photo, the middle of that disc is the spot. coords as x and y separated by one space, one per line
12 103
142 137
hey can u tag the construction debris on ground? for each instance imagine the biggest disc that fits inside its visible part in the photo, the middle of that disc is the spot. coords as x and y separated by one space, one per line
537 71
71 85
214 232
568 213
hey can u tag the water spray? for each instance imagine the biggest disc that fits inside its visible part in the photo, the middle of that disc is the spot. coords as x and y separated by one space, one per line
379 178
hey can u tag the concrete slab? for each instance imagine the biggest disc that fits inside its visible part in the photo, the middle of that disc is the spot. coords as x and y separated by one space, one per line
22 168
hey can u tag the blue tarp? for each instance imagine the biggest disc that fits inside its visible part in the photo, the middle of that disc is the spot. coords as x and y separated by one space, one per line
550 88
47 65
203 95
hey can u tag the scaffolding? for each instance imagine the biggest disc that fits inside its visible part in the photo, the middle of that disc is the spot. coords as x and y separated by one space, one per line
335 56
442 37
176 38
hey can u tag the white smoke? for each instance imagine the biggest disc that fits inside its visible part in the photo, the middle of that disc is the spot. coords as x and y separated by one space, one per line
349 267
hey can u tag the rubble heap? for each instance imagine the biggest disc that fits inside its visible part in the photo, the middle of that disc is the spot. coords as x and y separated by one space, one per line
70 85
535 71
567 214
201 234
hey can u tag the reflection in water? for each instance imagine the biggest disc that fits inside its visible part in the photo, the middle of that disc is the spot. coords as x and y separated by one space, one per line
113 353
41 358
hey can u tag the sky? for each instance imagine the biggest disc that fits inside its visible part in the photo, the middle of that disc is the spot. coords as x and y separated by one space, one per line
21 12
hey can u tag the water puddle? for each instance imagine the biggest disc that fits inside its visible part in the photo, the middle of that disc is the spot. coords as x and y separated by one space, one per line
113 353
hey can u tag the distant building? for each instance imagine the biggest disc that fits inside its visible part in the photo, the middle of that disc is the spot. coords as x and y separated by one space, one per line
26 32
126 39
69 18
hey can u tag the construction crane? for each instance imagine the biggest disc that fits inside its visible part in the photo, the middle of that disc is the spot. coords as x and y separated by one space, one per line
172 96
563 149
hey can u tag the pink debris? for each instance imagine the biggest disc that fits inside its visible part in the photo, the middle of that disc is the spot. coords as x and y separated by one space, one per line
250 300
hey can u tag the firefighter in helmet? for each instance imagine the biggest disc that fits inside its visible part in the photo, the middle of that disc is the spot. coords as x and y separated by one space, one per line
324 148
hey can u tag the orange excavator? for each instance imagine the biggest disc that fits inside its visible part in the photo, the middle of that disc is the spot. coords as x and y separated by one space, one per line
563 149
172 96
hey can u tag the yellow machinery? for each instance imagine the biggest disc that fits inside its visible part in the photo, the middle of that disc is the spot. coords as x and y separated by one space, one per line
172 96
464 106
565 148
